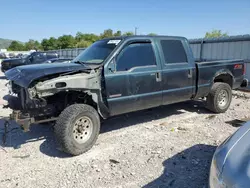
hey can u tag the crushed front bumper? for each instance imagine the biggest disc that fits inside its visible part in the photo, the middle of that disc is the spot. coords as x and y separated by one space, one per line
25 120
22 119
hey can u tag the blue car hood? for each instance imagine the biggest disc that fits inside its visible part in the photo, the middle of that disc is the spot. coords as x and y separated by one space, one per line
235 149
24 75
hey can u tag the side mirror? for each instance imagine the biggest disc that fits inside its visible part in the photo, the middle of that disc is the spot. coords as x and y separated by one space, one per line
112 66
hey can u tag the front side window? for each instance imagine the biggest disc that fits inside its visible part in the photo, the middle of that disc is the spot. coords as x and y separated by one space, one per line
135 55
173 51
97 52
39 57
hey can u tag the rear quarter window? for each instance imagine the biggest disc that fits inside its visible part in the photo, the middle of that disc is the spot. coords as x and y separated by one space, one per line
173 51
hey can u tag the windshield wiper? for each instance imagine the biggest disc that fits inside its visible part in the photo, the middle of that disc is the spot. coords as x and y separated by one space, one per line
82 63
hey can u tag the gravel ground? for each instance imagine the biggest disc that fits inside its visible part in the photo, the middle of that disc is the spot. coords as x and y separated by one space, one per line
170 146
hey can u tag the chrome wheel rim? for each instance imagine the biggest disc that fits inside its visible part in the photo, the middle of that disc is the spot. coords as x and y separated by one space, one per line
82 129
223 98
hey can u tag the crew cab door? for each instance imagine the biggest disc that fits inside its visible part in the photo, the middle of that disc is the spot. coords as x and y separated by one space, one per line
178 72
135 81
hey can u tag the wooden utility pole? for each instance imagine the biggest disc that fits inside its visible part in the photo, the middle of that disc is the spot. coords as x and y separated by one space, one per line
136 30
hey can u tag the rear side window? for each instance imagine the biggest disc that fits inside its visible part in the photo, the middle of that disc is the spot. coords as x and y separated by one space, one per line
135 55
173 51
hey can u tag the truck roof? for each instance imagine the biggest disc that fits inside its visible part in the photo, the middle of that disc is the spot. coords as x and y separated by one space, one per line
145 37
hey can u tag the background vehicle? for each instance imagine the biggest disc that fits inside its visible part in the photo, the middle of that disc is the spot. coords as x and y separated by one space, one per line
33 58
230 164
116 76
3 56
11 55
20 55
58 60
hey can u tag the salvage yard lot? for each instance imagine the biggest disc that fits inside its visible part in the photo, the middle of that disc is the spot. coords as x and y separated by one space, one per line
169 146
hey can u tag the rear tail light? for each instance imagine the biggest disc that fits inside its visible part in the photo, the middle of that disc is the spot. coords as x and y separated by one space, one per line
240 66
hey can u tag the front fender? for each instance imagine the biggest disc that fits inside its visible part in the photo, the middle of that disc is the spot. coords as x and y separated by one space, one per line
101 107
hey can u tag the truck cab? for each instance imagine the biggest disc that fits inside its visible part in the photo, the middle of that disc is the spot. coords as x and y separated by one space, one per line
147 72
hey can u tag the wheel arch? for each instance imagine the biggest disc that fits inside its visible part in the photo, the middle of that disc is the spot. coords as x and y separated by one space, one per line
224 76
89 97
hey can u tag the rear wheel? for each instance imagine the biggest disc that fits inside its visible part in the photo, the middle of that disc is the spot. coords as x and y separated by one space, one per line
77 128
219 98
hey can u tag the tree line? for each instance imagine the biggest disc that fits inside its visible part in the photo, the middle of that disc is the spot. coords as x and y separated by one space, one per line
80 40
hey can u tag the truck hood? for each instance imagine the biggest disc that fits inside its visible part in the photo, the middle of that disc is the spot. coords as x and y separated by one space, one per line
24 75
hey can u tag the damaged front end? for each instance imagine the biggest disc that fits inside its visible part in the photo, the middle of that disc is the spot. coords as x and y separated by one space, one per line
44 98
28 110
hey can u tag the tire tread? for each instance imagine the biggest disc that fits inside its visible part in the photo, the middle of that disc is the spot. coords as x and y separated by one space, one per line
212 96
63 123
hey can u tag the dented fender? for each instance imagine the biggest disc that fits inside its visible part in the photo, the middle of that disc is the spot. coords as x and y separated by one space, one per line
89 83
80 81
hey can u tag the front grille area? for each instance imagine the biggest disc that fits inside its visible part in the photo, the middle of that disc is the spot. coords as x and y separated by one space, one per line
5 66
14 102
15 88
16 96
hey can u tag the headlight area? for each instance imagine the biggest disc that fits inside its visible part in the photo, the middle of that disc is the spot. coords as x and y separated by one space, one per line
215 180
32 92
5 64
9 86
13 88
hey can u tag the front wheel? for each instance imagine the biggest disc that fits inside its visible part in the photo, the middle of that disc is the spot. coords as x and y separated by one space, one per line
77 128
219 98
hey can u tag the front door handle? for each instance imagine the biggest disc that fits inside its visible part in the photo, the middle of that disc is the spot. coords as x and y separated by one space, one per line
190 73
158 76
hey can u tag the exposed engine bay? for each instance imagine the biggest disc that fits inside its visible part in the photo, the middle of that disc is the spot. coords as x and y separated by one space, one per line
45 98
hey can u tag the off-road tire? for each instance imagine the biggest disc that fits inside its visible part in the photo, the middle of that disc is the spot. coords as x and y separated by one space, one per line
213 97
64 128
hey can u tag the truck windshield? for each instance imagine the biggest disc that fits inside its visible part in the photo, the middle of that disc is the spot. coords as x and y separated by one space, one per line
97 52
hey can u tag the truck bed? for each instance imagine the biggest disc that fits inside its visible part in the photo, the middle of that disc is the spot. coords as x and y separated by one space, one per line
208 70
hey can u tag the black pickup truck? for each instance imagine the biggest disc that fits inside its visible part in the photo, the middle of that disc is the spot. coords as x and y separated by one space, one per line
115 76
33 58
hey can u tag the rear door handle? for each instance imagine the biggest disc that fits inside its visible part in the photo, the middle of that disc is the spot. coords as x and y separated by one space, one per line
158 76
190 73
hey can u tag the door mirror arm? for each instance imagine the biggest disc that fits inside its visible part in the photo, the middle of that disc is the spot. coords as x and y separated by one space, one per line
112 66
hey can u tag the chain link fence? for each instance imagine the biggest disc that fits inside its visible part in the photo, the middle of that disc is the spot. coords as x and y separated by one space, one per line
68 53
